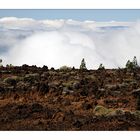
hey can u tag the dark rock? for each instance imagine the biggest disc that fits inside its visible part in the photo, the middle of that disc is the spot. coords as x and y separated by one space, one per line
76 85
11 80
138 103
77 124
128 80
22 86
45 68
101 92
87 106
23 106
119 112
84 93
25 66
37 107
32 77
53 86
43 87
10 88
83 81
66 102
2 89
21 112
110 101
45 75
49 112
137 76
136 92
66 90
123 85
52 69
115 93
112 87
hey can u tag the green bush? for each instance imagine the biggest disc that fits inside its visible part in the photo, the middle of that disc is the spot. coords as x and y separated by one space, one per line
132 65
9 66
1 63
101 111
83 64
101 67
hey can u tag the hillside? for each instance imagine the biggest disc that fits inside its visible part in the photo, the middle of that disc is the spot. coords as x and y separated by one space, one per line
33 98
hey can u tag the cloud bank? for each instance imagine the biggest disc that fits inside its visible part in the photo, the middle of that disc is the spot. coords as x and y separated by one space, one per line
65 42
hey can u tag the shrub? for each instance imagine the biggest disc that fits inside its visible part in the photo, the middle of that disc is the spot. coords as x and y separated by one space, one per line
52 68
9 66
65 68
1 63
132 65
83 64
101 111
135 63
129 65
136 113
101 67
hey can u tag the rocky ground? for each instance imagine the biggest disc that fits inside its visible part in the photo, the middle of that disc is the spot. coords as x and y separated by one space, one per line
33 98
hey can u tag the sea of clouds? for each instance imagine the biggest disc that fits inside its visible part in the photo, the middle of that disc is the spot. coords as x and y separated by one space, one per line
65 42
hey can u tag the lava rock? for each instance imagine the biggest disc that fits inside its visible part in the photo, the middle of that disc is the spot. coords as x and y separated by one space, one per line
67 91
32 77
76 85
11 80
87 106
37 107
43 87
112 87
136 92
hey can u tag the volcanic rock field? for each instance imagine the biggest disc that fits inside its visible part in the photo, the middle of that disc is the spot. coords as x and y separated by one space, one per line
38 98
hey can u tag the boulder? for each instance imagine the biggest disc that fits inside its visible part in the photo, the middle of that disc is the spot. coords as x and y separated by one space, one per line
77 123
136 114
22 86
123 85
3 87
76 85
36 107
66 90
53 86
32 77
66 102
115 93
128 80
12 80
43 87
87 106
137 76
84 92
45 75
112 87
136 92
45 68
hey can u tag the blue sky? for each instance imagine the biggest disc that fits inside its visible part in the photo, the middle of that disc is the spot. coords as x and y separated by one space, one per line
97 15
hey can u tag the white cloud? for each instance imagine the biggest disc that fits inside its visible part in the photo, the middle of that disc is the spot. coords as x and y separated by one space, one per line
66 42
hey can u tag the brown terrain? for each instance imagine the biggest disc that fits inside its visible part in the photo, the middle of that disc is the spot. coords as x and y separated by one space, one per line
33 98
